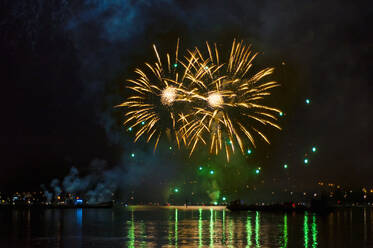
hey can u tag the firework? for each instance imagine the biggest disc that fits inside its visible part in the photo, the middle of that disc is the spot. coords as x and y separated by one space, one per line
202 100
152 108
227 109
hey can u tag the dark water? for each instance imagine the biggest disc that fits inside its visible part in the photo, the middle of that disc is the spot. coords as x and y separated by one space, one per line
169 227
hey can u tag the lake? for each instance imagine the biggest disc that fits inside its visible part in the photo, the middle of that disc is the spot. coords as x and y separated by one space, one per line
141 226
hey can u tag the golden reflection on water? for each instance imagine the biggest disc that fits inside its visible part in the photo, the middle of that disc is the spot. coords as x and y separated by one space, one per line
230 231
223 228
142 234
200 221
212 227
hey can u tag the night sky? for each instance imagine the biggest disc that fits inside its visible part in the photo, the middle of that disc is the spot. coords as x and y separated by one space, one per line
64 65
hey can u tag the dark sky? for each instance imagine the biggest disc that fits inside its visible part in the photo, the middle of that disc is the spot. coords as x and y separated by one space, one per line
64 65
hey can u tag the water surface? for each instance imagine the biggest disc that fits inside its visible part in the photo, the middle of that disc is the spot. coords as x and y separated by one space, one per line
180 227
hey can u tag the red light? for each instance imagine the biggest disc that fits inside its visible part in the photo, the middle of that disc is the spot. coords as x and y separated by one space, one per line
293 205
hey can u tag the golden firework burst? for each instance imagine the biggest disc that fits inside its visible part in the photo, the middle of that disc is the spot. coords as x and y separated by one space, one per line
156 91
202 99
227 99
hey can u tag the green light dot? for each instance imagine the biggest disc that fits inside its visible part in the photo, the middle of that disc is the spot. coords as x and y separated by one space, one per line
132 155
200 168
257 171
308 101
175 65
143 123
249 151
285 166
206 67
215 203
314 149
130 129
281 114
170 148
212 172
306 160
224 198
176 190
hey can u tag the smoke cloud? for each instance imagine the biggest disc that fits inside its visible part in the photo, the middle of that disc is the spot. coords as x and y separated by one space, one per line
143 176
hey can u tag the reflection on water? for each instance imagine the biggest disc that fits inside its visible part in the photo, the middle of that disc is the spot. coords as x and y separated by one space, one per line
131 231
79 216
200 221
257 228
211 228
176 223
305 228
184 227
314 232
285 232
248 231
